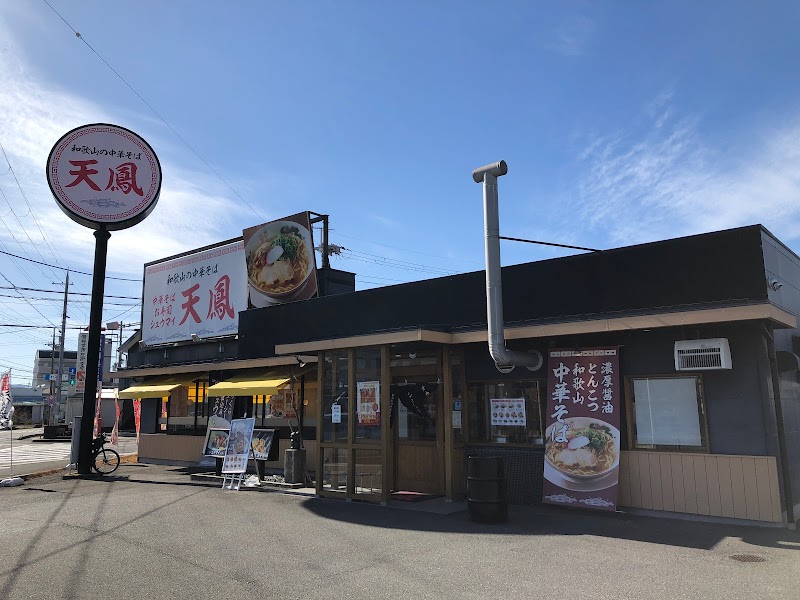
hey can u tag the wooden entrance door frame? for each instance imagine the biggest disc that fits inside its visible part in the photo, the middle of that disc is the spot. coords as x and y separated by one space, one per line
438 481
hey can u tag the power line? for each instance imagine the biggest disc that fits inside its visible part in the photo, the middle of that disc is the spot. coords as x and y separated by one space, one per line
34 299
66 268
512 239
13 287
472 262
155 112
30 208
24 326
27 289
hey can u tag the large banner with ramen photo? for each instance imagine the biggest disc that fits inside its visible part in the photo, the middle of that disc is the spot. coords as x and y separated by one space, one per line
281 265
582 439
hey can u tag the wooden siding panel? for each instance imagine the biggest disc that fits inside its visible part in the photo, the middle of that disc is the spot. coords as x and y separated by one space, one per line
701 484
777 513
644 479
689 493
712 486
677 482
656 486
750 487
737 485
635 480
725 489
743 487
666 482
624 480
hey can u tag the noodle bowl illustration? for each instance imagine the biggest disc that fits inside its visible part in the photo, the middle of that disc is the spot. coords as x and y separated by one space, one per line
280 259
591 449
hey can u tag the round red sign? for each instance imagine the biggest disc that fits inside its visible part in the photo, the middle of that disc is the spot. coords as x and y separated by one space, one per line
104 176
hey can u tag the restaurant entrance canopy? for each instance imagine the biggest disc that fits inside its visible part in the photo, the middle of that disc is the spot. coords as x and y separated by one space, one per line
157 388
265 383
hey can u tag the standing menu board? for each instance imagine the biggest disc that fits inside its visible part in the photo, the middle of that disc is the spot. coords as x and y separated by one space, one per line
265 444
219 420
238 450
582 439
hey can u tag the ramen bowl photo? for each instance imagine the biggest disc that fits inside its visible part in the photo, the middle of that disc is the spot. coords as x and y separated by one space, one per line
280 260
591 448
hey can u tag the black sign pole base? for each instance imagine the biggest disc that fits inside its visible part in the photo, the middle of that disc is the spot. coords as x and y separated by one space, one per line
93 351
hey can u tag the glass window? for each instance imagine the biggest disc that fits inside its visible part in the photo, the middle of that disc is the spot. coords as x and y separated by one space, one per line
179 420
197 403
367 471
507 412
667 412
457 372
367 397
334 469
335 396
416 403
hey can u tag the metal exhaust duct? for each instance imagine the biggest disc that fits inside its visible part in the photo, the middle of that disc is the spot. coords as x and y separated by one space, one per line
504 358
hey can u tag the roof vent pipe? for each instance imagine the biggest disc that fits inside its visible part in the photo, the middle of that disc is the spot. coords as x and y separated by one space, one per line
502 356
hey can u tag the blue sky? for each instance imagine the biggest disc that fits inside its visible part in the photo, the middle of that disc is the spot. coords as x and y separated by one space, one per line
621 123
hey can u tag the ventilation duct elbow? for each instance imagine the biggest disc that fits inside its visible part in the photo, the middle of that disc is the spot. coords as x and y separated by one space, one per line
504 358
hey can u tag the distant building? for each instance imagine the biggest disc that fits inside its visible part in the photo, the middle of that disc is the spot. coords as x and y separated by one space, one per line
46 362
29 405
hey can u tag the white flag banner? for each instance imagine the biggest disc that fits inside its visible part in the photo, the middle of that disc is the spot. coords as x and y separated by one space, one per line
6 403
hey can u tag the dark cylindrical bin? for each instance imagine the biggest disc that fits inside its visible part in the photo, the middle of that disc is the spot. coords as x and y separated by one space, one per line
486 489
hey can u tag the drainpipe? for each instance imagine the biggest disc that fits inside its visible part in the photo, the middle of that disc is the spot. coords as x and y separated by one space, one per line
502 356
783 446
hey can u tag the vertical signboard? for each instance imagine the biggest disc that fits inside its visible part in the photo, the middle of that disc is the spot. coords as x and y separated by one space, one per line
102 357
83 351
281 264
582 441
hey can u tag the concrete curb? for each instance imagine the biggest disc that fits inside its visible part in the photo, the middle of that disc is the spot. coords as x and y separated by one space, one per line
123 459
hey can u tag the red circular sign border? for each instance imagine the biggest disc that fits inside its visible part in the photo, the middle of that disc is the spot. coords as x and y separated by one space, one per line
93 220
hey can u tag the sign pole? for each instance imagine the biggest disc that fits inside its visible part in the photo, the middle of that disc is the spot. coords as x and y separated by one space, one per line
79 164
93 351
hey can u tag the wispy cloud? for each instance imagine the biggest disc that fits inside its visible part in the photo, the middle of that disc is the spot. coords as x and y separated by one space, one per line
194 207
572 35
667 179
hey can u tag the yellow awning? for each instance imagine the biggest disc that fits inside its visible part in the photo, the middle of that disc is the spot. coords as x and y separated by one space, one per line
256 384
147 391
157 388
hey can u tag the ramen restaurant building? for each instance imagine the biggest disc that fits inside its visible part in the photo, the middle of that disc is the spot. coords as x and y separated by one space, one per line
396 386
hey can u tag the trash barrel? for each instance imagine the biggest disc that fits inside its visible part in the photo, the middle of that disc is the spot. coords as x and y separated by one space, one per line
486 489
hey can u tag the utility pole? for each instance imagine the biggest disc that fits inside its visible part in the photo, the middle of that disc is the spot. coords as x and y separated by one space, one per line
50 378
60 376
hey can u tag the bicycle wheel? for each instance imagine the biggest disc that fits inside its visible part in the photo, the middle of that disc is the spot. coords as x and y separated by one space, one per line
106 461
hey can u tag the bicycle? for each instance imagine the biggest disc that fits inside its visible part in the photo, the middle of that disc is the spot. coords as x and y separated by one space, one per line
104 460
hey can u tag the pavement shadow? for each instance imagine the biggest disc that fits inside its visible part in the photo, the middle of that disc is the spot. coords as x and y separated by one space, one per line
547 520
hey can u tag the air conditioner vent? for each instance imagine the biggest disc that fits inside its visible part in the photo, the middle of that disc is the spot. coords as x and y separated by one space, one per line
702 355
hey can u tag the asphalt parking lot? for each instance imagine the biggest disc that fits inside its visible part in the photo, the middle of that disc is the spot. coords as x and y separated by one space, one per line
154 533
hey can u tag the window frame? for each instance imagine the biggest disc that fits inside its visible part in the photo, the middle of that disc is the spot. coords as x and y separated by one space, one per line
542 409
702 415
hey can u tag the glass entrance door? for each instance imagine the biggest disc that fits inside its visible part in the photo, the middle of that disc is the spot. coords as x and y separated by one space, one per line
416 405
